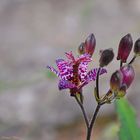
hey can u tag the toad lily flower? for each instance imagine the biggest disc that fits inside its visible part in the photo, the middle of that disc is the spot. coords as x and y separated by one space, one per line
73 72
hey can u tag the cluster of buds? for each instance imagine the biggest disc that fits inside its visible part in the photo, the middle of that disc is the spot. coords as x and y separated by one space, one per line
122 78
88 46
74 76
125 47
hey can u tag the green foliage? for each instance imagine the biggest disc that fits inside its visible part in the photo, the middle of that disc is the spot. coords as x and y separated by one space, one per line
129 129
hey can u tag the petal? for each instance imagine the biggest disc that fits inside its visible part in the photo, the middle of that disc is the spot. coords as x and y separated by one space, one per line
53 70
70 56
61 63
102 71
83 70
66 70
84 58
64 84
91 76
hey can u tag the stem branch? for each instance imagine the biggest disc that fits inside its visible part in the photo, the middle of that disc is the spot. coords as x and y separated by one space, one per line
97 83
132 60
83 111
93 121
121 64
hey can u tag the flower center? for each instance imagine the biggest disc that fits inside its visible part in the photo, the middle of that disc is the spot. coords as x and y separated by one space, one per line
76 79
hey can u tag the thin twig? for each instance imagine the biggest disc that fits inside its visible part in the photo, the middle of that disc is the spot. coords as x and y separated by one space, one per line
83 111
132 60
121 64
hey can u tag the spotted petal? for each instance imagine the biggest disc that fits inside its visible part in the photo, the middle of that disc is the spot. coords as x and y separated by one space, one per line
61 64
65 68
53 70
91 76
84 58
64 84
83 70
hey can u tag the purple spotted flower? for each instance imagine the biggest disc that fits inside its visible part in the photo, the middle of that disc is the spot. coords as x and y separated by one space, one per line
73 72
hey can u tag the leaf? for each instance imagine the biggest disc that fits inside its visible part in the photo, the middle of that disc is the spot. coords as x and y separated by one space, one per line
129 129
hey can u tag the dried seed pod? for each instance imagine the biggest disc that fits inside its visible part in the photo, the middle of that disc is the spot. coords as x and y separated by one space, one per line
106 57
137 47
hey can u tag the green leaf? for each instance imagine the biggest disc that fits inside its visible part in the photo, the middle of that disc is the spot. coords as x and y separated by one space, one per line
129 129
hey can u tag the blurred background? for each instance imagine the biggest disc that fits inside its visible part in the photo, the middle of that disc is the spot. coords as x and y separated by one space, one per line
33 33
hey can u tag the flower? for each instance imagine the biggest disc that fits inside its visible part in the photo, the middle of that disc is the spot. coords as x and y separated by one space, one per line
125 47
73 72
106 57
137 47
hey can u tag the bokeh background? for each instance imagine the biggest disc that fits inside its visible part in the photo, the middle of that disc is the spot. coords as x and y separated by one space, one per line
33 33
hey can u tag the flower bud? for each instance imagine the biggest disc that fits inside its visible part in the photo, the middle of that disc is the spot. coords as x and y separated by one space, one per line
122 91
128 75
90 44
106 57
116 80
81 48
137 47
125 47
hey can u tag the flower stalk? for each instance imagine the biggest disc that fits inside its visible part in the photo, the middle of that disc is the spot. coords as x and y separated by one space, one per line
83 111
97 84
93 121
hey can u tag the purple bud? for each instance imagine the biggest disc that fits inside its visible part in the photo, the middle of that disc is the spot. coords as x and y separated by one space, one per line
81 48
137 47
116 80
90 44
125 48
106 57
128 75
